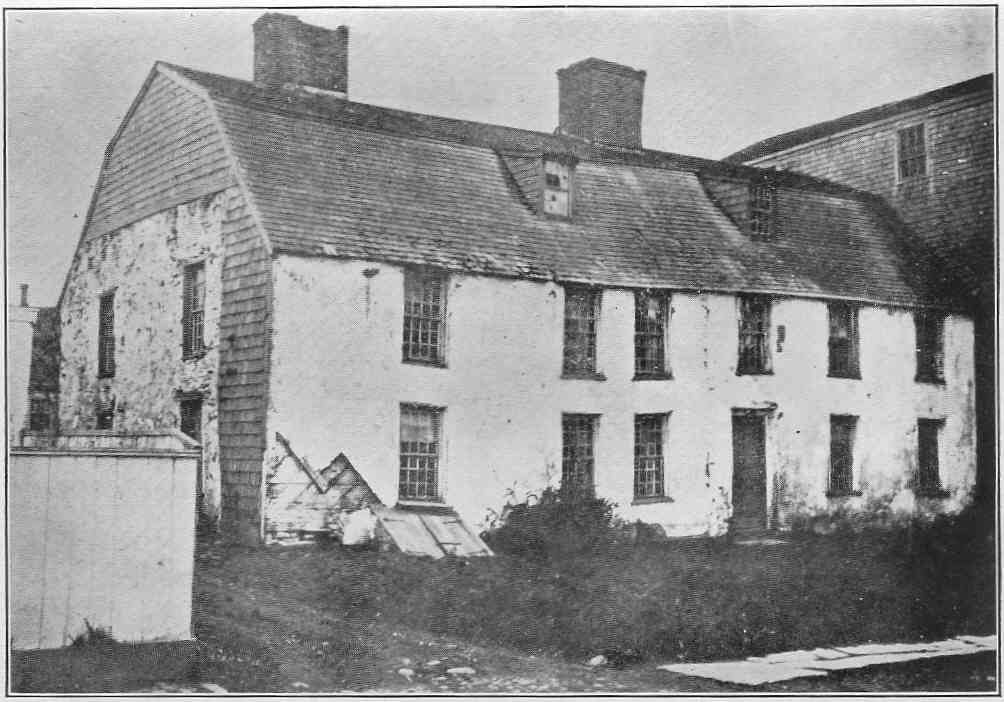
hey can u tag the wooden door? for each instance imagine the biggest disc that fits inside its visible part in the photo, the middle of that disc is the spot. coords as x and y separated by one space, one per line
749 472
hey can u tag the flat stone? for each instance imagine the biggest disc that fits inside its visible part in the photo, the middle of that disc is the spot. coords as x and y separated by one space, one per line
989 641
463 670
882 649
743 672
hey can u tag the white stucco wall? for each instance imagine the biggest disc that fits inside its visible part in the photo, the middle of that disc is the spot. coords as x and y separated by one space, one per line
337 382
20 327
144 264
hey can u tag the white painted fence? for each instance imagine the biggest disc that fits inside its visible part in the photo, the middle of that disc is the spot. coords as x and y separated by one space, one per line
104 535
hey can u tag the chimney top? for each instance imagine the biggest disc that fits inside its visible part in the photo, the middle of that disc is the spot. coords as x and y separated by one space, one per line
289 51
600 101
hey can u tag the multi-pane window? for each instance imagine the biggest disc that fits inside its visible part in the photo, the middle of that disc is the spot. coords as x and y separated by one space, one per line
754 335
421 428
763 198
844 340
578 434
842 430
649 469
930 329
928 479
104 411
193 311
191 417
557 188
106 336
912 152
582 311
424 316
651 316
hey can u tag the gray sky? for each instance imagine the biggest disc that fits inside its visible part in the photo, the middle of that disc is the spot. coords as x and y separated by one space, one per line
718 79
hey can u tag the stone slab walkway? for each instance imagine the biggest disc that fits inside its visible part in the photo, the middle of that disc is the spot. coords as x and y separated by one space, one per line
802 664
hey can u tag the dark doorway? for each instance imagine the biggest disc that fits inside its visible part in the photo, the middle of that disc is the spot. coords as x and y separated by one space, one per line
749 472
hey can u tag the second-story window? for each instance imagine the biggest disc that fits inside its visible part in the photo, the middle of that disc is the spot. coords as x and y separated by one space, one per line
193 311
582 313
843 340
424 317
106 336
754 335
763 198
912 152
557 188
930 347
651 323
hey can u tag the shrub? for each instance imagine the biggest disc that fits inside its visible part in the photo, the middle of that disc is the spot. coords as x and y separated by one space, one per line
560 522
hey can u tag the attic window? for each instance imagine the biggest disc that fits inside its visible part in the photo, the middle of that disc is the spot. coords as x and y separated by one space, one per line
557 188
912 152
763 197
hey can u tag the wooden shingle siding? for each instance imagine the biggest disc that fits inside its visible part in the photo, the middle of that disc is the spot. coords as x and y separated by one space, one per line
244 362
169 152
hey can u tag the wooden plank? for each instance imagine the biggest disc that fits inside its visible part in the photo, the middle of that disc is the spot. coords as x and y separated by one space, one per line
408 533
27 499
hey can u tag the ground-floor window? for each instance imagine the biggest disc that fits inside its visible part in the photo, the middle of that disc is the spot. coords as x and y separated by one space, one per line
578 435
421 428
842 430
928 478
649 438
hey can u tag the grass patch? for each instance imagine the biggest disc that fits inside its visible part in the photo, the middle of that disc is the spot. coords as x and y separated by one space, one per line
697 599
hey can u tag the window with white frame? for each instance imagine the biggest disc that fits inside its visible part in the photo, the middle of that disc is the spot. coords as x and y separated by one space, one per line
557 188
649 466
421 429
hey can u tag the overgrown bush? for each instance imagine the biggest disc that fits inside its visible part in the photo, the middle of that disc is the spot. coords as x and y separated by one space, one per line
560 522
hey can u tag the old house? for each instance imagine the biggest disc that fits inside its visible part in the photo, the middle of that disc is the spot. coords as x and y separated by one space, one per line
931 157
465 310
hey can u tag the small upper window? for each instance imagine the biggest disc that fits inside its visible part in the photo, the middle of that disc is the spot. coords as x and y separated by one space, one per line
106 336
424 317
651 317
843 340
582 313
754 335
763 199
557 188
930 329
193 311
912 152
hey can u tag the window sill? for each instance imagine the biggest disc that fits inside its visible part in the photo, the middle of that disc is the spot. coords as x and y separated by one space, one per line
754 372
582 375
413 505
844 376
428 364
928 380
653 376
932 493
193 356
838 495
655 500
105 376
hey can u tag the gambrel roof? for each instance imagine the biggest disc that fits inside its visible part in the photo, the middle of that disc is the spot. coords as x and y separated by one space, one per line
332 177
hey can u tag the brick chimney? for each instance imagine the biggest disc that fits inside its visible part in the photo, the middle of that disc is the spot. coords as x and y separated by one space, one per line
600 101
287 50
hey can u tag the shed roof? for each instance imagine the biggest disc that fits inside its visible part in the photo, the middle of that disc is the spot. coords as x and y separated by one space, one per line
333 177
782 142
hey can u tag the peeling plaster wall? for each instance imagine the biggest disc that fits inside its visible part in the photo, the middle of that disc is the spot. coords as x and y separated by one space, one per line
337 382
143 263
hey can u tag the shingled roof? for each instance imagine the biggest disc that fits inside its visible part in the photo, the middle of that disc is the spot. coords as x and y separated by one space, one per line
788 140
332 177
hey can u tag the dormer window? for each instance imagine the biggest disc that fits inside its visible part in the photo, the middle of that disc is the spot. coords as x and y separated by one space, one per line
912 152
557 188
763 197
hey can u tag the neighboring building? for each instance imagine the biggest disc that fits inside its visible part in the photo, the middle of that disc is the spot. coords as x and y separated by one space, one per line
32 368
931 157
464 309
